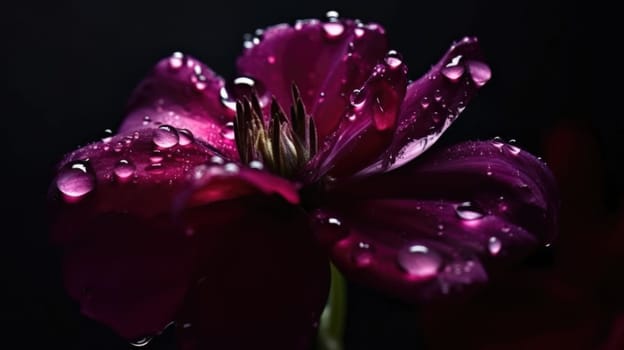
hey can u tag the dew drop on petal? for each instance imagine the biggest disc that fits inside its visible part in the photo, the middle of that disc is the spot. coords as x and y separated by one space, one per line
418 261
359 32
256 164
468 211
333 30
494 245
216 160
424 103
393 59
156 156
166 136
437 95
497 142
231 168
330 229
176 60
357 98
75 180
228 131
186 137
479 72
453 73
242 87
362 254
124 170
332 15
139 343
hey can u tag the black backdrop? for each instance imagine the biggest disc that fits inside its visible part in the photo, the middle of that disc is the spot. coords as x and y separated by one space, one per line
70 68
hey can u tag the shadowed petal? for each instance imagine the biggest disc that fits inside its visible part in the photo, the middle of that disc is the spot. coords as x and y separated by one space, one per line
327 60
433 102
261 280
434 226
183 92
123 260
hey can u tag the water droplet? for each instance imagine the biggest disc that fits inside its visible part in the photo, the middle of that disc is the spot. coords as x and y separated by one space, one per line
124 170
468 211
362 254
242 87
359 32
256 164
494 245
333 30
480 72
350 116
437 95
418 261
166 136
216 160
231 168
332 15
228 131
139 343
424 103
146 120
176 60
118 146
186 137
505 229
156 156
357 98
271 59
393 59
75 180
453 73
497 142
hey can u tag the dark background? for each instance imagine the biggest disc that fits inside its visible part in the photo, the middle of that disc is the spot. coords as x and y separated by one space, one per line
69 69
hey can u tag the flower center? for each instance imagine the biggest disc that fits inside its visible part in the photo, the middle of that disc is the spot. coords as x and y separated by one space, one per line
283 145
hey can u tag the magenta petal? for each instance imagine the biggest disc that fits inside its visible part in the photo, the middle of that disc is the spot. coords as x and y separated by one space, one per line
368 124
183 92
124 261
433 102
261 282
327 60
434 226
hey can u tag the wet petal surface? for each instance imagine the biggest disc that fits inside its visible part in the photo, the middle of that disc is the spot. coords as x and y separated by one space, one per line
433 102
184 93
433 227
124 260
327 61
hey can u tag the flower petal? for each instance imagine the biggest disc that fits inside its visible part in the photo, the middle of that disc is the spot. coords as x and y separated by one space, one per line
260 274
433 102
183 92
327 60
433 226
123 259
368 125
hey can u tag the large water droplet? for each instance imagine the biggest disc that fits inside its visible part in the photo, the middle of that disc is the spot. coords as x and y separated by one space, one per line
333 30
393 59
497 142
357 98
453 73
186 137
418 261
139 343
242 87
468 211
332 15
166 136
124 170
362 254
176 60
494 245
480 72
228 131
75 180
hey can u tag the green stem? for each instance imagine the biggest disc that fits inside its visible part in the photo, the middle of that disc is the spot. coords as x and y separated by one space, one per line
332 324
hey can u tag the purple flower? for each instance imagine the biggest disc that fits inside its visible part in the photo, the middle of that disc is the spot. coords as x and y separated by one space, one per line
213 207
